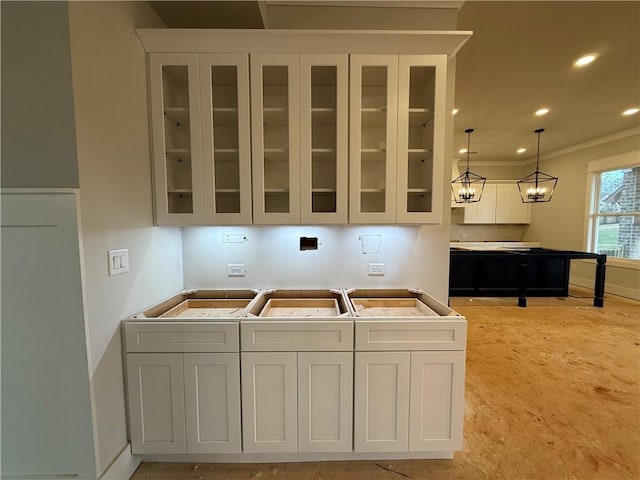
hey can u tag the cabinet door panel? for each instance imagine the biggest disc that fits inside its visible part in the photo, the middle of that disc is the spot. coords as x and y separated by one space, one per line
421 126
483 211
323 138
269 402
381 402
156 403
226 138
509 206
325 401
275 117
177 146
212 402
372 143
437 401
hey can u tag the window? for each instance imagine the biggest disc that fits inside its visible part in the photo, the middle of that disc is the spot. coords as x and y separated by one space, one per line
614 214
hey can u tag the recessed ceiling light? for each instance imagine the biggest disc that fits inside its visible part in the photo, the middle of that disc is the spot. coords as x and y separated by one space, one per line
455 110
521 150
463 150
542 111
585 60
631 111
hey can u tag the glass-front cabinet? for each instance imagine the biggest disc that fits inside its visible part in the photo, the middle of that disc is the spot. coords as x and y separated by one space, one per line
275 138
177 147
421 126
226 138
373 110
323 138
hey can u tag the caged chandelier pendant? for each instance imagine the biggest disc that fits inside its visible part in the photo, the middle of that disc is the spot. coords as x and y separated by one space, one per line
468 187
538 186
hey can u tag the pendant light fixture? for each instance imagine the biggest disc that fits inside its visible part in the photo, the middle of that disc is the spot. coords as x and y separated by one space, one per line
538 186
468 187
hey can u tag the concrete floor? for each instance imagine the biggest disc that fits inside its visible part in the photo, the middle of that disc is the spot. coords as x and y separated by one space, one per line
552 392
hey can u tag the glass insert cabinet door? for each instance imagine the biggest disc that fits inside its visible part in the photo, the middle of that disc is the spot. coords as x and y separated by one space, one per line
226 138
175 119
324 138
421 124
275 138
373 127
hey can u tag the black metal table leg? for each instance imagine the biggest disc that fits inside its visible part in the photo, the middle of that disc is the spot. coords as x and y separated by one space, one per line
523 273
598 289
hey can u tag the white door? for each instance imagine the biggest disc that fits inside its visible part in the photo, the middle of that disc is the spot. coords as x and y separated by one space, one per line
324 93
421 126
325 401
483 211
381 402
156 402
269 402
177 146
509 206
275 122
226 138
437 401
373 125
212 402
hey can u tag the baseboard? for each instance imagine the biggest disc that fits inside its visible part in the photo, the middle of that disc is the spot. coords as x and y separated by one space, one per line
619 290
123 466
294 457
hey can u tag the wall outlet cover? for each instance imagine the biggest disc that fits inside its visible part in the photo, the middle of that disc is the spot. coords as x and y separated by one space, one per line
376 269
236 270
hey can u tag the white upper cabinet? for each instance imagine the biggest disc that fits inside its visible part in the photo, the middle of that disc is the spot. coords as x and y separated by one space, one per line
275 138
500 203
509 206
226 134
177 147
421 127
323 138
373 109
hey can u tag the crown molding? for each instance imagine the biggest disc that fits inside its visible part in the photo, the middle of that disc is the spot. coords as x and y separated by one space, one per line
583 146
556 153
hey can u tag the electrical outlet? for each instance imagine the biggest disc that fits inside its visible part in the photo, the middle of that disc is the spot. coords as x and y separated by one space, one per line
376 269
236 270
118 261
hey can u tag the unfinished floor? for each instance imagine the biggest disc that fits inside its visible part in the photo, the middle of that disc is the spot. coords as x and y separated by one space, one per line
552 392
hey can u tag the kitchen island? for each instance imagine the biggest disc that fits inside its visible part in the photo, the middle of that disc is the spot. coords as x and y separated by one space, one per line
535 272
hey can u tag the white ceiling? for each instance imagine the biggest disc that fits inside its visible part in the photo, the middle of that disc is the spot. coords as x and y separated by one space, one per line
518 60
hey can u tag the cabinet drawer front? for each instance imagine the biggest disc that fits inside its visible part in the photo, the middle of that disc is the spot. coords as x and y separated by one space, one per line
296 336
411 335
182 337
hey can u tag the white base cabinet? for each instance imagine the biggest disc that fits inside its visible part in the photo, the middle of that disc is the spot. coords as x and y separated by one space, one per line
184 403
297 401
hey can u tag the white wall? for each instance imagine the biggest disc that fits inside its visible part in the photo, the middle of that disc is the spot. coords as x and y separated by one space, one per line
109 76
561 222
273 258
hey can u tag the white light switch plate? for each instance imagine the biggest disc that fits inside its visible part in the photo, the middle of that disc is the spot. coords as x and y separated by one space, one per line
118 261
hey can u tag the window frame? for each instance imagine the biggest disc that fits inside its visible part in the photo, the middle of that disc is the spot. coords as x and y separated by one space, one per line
594 170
